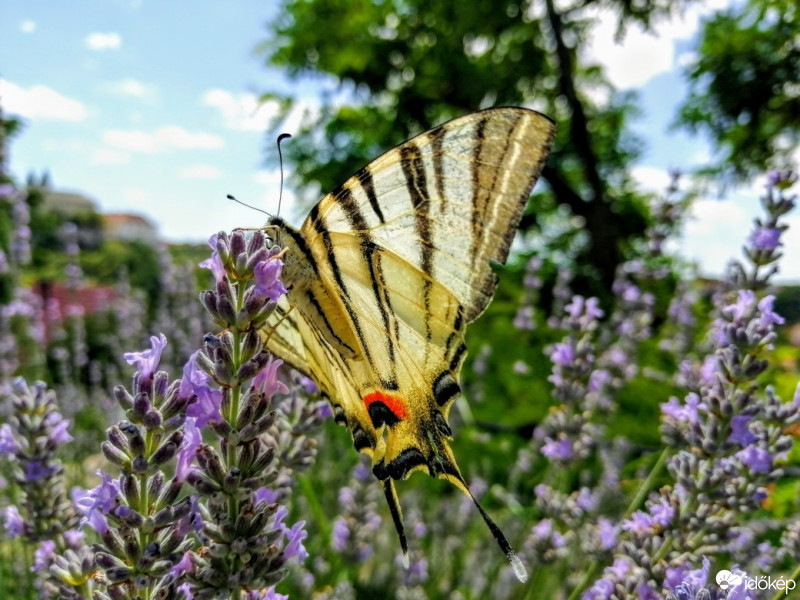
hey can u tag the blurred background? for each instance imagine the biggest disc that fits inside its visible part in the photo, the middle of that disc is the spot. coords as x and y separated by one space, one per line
160 110
124 124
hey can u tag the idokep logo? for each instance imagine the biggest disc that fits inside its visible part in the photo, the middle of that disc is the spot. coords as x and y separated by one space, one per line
727 581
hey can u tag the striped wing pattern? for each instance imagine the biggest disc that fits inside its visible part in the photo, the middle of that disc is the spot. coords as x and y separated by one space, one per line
387 271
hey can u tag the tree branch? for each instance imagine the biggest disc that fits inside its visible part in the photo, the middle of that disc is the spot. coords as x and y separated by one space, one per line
579 129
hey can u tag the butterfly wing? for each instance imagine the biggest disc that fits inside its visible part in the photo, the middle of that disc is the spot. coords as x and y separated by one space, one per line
289 335
448 201
407 245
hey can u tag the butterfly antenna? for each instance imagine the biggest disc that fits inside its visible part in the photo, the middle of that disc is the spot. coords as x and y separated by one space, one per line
235 199
281 137
397 516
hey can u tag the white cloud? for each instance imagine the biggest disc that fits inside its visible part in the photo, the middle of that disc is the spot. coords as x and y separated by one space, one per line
131 87
641 55
270 178
241 111
27 26
108 156
686 59
39 102
651 179
200 172
169 137
302 110
708 216
716 230
103 41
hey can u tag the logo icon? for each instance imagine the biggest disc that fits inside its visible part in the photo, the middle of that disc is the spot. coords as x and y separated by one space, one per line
726 579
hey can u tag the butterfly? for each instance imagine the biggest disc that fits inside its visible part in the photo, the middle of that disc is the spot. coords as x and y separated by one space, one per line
385 274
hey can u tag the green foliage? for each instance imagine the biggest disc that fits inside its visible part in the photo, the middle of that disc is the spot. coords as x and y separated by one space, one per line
787 303
405 66
744 86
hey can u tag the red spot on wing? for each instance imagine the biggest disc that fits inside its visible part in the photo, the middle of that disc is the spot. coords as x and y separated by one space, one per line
393 403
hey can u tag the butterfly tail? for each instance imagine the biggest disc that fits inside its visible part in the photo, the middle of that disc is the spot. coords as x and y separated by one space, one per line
500 538
397 516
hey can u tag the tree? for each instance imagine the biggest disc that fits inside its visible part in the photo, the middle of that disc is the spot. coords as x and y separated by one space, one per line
406 65
744 87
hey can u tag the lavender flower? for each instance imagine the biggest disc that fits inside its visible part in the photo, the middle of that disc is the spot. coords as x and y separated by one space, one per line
13 522
98 502
358 521
43 555
726 437
137 515
36 432
146 361
246 543
31 438
569 434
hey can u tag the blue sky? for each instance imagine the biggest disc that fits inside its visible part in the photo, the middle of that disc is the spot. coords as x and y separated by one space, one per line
150 107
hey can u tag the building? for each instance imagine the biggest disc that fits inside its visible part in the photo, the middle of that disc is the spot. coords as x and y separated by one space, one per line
129 228
68 203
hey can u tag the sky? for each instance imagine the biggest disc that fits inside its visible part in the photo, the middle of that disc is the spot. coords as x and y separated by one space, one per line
151 108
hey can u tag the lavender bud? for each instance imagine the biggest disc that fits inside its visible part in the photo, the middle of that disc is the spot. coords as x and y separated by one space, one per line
129 517
256 242
135 441
202 483
174 405
253 430
168 494
166 451
152 419
118 575
221 428
155 484
225 315
211 463
139 465
237 243
160 384
124 399
115 593
212 342
115 456
241 264
107 561
117 438
113 542
232 480
141 404
264 460
209 301
222 246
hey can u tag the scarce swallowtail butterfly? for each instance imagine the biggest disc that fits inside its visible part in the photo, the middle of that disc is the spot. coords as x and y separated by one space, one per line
385 274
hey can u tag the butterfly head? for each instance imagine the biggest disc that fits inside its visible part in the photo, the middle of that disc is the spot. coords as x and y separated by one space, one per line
274 229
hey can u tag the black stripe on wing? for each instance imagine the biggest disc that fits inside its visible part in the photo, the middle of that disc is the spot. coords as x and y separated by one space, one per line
317 223
417 185
365 178
368 251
